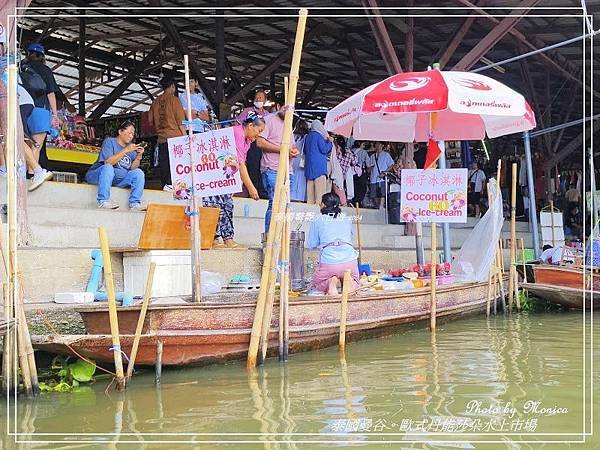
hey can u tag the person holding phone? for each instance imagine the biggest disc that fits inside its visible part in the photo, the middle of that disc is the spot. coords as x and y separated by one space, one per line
119 165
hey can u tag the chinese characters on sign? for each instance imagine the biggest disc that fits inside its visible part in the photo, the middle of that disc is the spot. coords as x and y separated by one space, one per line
216 164
434 195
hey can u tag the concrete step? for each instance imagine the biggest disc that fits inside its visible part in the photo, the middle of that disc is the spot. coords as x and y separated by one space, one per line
84 196
75 227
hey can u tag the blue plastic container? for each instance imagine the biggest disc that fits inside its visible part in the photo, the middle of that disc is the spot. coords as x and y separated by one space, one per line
364 269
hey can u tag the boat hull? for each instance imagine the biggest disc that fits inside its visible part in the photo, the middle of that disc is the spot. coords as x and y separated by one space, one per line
194 334
565 277
568 297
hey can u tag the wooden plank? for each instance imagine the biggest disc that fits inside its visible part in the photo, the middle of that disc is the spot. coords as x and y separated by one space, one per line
166 227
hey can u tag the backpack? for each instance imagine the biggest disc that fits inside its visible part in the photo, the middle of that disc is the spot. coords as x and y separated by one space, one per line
32 81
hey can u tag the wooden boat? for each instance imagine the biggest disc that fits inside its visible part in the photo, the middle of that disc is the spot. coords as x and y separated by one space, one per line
569 297
219 328
528 269
565 285
565 276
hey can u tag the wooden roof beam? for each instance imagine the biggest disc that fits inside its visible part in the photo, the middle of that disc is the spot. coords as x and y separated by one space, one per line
181 46
130 78
382 37
551 57
309 95
565 117
497 33
574 145
356 61
450 47
409 41
536 104
249 85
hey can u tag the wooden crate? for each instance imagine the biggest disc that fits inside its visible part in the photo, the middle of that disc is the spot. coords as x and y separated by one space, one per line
166 227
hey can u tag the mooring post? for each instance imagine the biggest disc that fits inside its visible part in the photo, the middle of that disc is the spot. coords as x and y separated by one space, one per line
158 365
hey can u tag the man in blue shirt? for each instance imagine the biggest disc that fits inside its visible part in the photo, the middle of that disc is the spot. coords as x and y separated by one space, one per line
199 106
119 165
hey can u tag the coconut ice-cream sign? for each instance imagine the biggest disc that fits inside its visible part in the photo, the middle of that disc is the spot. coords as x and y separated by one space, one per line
433 195
216 166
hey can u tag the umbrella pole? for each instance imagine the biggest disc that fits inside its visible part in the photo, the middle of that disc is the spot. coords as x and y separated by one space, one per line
419 243
433 299
445 225
512 295
531 191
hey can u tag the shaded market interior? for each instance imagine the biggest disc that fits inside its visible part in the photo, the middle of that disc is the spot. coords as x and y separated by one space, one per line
108 55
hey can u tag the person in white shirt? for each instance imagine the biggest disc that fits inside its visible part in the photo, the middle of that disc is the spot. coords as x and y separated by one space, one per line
476 184
199 106
380 162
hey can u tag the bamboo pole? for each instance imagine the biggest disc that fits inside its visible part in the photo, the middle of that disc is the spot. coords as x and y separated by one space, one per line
500 254
358 233
11 337
141 318
552 221
262 316
496 287
284 287
7 383
523 259
498 172
347 281
433 304
513 214
22 352
27 338
112 308
194 207
493 265
489 291
516 288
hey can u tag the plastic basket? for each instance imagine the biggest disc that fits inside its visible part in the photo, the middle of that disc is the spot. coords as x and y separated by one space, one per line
65 177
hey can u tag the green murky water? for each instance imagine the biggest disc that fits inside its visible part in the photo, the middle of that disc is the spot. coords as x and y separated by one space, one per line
475 384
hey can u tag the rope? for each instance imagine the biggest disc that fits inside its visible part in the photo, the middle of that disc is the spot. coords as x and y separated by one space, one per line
117 348
49 324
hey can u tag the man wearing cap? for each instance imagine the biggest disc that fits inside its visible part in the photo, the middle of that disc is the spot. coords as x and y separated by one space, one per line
44 115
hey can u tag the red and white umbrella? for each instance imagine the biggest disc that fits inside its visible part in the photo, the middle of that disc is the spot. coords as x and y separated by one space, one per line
419 106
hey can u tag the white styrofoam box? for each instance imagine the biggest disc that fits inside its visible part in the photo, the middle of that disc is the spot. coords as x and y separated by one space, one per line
546 219
172 275
74 297
559 234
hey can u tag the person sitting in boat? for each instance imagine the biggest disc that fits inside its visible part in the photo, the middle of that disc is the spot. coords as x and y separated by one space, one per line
331 232
555 255
546 256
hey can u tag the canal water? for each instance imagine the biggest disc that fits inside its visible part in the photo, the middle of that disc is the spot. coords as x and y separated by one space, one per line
523 378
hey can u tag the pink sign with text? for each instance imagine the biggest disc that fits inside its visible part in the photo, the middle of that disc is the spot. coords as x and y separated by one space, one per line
216 165
433 195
